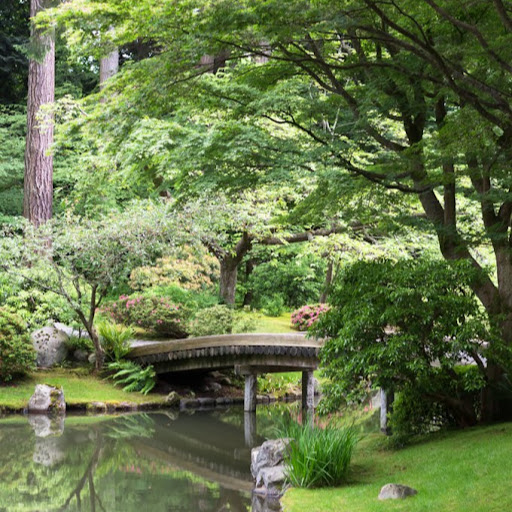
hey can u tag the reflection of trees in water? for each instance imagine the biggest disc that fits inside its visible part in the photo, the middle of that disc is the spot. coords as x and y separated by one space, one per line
94 466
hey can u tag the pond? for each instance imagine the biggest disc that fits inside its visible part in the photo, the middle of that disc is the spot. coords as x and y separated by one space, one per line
161 461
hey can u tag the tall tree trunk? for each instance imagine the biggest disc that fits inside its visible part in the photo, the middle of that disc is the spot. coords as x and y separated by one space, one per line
228 278
249 267
109 66
38 182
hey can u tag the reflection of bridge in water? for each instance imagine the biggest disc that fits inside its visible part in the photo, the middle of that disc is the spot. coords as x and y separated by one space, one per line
249 354
215 453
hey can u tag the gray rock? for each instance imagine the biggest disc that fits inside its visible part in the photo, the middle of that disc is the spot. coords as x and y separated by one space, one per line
92 358
47 400
97 407
271 478
172 399
396 491
45 426
70 332
50 345
214 386
269 454
80 355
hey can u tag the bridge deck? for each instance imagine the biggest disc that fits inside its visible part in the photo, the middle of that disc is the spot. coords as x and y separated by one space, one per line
250 354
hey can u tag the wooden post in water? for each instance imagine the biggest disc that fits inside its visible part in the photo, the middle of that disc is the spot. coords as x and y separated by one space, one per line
250 429
250 392
308 391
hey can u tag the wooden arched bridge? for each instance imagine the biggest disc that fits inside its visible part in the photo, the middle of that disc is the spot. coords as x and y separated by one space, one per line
248 354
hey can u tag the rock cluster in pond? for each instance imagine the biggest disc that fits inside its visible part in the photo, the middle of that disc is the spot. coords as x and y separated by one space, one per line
396 491
50 345
47 400
267 467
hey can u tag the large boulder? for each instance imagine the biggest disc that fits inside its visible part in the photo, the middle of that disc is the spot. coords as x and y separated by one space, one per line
47 400
50 346
269 454
396 492
267 467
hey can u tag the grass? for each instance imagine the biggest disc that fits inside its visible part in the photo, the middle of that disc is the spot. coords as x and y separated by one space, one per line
465 471
79 387
274 324
317 456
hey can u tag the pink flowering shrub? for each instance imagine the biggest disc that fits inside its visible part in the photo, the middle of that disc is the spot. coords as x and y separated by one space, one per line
304 317
157 314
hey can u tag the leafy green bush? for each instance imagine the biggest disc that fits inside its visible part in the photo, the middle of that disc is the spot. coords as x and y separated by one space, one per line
244 322
115 340
132 376
215 320
304 317
191 300
274 305
316 456
299 279
157 314
17 355
79 343
404 326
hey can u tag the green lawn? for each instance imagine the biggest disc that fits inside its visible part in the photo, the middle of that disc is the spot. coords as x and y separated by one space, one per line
466 471
274 324
79 388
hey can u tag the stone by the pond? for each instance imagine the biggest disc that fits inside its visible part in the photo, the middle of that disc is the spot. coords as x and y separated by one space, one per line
50 346
47 400
269 454
396 492
265 503
172 399
271 478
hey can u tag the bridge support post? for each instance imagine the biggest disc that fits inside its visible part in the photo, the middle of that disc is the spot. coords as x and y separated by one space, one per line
308 391
250 429
250 392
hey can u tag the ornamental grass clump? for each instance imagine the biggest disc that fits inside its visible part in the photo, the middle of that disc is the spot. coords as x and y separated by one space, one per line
316 456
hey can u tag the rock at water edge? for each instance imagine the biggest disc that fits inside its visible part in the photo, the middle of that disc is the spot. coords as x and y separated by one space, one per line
47 400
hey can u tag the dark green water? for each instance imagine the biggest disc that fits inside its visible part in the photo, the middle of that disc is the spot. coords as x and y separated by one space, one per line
154 462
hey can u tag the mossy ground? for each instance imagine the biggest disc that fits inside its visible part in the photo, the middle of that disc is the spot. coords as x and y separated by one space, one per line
465 471
80 388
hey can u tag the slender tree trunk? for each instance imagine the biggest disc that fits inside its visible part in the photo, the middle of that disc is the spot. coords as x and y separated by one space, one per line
249 267
328 281
38 182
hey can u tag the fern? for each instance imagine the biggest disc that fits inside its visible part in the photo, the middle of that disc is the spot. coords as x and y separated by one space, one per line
132 376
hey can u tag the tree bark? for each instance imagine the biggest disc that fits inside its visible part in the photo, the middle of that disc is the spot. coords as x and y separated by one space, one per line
228 279
109 66
38 182
328 281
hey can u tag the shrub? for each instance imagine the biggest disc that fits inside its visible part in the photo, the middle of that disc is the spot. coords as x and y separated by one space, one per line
244 322
16 353
273 306
192 268
304 317
133 376
318 457
299 279
156 314
115 340
191 300
215 320
79 343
